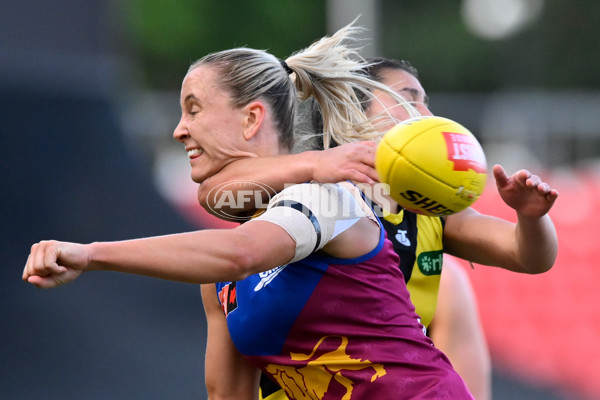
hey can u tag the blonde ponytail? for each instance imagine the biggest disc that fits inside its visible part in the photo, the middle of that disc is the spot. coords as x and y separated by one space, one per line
332 71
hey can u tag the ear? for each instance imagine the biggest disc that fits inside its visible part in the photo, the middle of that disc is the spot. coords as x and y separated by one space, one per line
254 113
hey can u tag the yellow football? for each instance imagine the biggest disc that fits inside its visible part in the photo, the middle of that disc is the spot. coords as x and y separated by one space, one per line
433 165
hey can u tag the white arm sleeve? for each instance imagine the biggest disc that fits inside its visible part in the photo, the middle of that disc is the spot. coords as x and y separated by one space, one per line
310 212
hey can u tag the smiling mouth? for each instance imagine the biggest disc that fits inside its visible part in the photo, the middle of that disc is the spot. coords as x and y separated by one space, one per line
194 153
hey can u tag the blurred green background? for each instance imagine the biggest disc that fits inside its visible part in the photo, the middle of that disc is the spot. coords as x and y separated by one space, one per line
482 61
556 48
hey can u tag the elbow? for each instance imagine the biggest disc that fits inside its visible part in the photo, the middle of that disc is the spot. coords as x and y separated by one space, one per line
543 263
540 269
243 259
549 260
547 265
242 265
256 247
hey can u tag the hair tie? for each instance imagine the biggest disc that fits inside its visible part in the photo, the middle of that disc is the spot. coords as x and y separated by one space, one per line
286 67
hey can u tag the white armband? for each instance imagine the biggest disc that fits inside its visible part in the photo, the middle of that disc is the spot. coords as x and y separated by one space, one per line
310 212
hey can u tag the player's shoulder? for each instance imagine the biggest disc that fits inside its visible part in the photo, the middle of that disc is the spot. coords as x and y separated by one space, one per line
307 190
319 194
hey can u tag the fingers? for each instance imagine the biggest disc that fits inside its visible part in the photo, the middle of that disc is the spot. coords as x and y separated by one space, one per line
42 262
370 144
542 187
42 282
364 163
535 182
364 152
500 175
522 178
526 179
552 196
548 193
25 273
364 175
33 260
352 161
369 158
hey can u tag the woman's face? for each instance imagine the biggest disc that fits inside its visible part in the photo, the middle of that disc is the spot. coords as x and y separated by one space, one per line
211 129
407 86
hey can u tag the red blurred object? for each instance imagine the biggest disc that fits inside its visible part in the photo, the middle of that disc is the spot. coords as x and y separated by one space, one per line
545 328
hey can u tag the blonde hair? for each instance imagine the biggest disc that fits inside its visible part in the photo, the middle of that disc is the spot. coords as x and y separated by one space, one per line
330 71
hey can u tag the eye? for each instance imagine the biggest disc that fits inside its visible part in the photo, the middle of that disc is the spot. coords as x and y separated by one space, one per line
408 94
193 110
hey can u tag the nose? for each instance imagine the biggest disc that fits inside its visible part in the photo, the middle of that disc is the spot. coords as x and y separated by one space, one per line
181 132
423 109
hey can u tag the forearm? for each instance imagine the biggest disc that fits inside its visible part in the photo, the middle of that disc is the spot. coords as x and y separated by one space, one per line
481 239
537 243
263 175
194 257
227 375
528 246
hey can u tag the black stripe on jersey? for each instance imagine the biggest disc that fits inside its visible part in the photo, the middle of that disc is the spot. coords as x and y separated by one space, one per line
267 386
306 211
408 254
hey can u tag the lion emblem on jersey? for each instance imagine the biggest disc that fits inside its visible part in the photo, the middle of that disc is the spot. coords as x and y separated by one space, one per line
313 380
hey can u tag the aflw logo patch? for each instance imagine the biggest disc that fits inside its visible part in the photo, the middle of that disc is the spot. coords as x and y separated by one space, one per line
228 298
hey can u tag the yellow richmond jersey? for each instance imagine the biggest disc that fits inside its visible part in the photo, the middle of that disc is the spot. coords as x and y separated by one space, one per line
418 241
274 391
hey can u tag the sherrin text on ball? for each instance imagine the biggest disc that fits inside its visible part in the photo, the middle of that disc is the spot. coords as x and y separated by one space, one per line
433 165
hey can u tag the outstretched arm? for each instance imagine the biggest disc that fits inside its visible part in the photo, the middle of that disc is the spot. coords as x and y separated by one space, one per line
269 175
528 246
210 255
